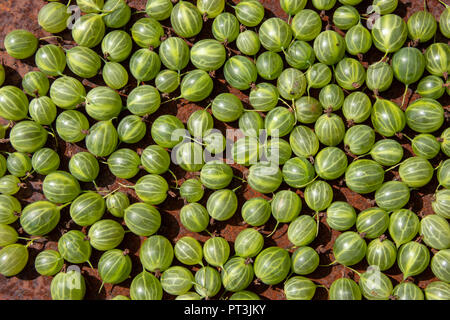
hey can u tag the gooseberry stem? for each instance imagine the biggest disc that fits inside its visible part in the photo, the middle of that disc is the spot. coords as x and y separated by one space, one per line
198 284
328 265
285 53
317 222
407 137
254 110
439 165
6 126
54 136
50 37
194 140
381 60
359 274
95 184
90 265
27 175
114 191
175 177
64 205
282 100
23 238
393 167
125 186
274 229
289 275
234 190
101 287
176 98
221 297
362 155
239 178
31 240
103 59
315 178
404 95
322 286
105 13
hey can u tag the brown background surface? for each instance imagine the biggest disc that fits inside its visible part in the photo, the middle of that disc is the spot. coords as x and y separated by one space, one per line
30 285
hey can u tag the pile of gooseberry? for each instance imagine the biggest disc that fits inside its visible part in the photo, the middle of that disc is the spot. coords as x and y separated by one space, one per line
303 82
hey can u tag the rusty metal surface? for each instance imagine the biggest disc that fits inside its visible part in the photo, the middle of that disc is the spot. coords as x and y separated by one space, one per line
30 285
